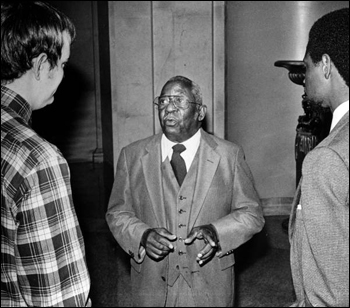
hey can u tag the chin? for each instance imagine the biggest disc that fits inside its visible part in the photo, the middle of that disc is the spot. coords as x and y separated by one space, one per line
50 101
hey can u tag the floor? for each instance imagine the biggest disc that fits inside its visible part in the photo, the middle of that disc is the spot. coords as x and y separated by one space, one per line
263 277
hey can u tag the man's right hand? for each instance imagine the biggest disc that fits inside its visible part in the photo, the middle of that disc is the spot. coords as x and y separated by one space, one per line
157 243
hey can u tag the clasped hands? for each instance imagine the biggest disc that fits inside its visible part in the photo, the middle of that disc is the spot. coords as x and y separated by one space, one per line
158 242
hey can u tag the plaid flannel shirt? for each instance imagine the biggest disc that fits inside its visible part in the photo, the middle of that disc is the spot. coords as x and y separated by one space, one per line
42 249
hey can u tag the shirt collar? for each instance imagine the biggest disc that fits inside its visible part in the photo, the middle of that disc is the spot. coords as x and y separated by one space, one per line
339 112
16 102
191 145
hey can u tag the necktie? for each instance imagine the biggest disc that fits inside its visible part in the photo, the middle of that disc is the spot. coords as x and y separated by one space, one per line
178 163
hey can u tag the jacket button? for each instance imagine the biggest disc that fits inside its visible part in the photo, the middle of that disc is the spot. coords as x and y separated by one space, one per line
163 278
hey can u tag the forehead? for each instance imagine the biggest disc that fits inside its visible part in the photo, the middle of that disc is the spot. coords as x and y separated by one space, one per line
176 88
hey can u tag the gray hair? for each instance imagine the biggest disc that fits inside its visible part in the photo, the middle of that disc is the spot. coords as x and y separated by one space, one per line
195 89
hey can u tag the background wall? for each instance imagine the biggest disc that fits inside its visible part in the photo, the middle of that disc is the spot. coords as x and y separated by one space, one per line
262 104
126 50
73 121
152 41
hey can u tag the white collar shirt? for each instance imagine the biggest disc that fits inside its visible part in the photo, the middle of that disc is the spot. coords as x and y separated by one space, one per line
188 155
339 112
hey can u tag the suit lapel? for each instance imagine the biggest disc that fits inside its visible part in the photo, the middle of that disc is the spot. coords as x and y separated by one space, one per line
207 165
151 164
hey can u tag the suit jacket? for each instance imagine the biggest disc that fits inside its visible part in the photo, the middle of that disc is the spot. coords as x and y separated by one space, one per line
224 196
319 223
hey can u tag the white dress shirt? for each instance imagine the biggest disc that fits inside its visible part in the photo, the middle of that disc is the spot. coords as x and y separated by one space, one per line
339 112
191 145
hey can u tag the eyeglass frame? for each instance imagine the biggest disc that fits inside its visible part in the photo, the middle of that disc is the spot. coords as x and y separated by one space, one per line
172 102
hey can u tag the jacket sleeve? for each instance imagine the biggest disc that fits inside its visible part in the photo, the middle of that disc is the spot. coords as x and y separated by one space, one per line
325 228
246 217
126 228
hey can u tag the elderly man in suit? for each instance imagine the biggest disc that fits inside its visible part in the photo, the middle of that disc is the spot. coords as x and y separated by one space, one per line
319 221
182 201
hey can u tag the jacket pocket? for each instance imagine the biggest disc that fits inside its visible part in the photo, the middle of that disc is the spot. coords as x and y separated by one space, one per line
136 266
227 261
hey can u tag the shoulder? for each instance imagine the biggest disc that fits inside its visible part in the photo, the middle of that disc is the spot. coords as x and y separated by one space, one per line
142 143
23 147
221 145
333 148
340 141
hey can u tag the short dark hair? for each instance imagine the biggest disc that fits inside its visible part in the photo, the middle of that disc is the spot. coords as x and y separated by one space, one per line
330 35
29 28
195 89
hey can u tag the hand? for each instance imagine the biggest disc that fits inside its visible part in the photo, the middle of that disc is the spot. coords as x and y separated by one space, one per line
208 234
157 243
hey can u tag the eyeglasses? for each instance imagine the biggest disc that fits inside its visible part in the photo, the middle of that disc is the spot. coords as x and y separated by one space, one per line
178 101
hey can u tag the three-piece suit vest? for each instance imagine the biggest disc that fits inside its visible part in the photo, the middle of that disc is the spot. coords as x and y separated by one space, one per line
177 202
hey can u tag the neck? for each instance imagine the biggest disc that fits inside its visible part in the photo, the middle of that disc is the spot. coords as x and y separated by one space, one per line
24 87
338 90
339 98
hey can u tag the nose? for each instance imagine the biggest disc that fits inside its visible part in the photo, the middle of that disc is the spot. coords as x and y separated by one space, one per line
171 107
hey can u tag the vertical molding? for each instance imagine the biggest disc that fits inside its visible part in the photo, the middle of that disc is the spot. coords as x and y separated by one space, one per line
97 155
213 65
152 52
219 68
131 72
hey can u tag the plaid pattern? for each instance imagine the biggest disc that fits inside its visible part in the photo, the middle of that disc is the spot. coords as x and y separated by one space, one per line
42 249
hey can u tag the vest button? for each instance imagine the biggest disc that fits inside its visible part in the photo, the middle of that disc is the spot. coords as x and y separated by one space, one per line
177 267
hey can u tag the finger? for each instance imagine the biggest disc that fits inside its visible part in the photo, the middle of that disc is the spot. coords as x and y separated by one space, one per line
209 240
160 243
156 255
205 255
166 243
159 252
205 252
165 233
191 236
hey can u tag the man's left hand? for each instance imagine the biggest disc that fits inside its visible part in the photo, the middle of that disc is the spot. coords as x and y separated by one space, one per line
208 234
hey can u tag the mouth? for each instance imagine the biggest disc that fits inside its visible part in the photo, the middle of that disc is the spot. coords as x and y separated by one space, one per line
170 121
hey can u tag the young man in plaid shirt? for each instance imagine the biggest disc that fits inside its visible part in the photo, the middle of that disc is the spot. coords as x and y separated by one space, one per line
42 249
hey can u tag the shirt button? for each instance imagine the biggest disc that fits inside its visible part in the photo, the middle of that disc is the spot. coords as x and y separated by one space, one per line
181 211
177 267
182 198
181 225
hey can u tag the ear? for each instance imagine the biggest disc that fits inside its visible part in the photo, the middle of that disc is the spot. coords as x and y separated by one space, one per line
39 64
202 110
326 65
